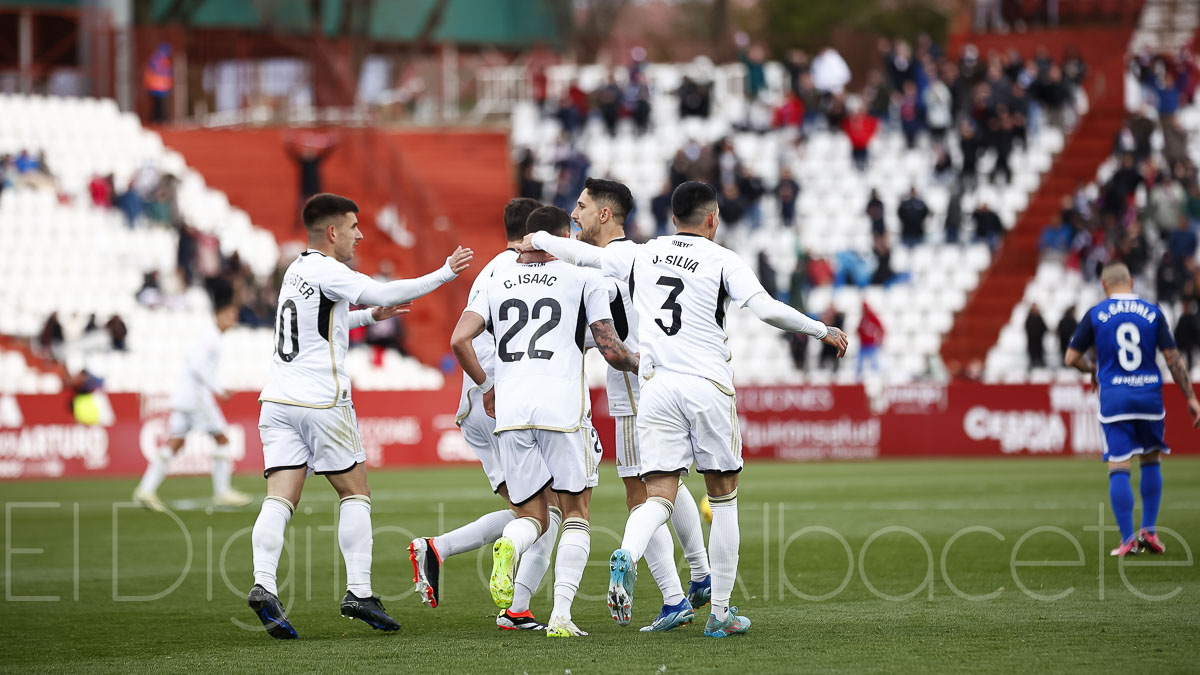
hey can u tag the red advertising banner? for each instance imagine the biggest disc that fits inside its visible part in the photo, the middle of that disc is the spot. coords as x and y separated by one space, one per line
39 437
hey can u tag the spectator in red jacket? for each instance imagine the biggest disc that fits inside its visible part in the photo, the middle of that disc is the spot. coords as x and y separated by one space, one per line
870 337
860 129
790 114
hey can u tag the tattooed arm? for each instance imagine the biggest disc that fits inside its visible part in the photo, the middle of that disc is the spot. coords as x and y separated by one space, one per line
611 347
1179 371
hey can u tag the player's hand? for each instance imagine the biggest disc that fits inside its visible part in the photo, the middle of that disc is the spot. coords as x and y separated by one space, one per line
385 313
837 338
1194 411
459 260
489 403
526 245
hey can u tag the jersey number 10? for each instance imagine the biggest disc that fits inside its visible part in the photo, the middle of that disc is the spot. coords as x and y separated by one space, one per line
294 349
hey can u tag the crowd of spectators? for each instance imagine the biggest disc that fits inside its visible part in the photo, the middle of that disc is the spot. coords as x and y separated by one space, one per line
1146 211
957 110
25 168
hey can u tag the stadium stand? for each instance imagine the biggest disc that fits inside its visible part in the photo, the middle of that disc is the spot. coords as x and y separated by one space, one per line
68 256
1066 280
932 279
1066 283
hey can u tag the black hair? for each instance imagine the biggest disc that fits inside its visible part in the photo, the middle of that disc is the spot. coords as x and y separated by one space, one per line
516 212
549 219
611 194
692 201
319 207
220 292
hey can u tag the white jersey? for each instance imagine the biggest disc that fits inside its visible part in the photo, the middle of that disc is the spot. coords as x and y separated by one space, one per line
623 387
485 344
538 314
199 381
681 286
312 333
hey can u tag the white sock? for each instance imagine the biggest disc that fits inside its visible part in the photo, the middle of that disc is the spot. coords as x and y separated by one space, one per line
660 558
156 471
686 519
523 532
267 540
355 540
644 521
573 550
534 564
222 469
724 540
483 530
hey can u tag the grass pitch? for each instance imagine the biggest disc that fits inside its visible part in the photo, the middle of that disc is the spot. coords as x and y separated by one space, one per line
992 566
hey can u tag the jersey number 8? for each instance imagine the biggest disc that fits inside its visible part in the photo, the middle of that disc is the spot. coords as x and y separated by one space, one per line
1129 340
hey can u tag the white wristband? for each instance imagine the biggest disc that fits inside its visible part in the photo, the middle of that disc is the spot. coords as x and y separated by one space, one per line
486 386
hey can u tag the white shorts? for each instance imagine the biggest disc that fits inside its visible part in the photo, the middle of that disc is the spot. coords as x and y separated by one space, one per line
626 446
479 431
534 459
684 419
206 420
325 440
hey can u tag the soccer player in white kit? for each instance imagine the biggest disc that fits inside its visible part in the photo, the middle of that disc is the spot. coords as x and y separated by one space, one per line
600 213
539 311
194 408
478 429
682 286
307 422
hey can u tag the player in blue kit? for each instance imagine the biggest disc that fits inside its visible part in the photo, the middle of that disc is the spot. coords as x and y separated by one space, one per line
1126 332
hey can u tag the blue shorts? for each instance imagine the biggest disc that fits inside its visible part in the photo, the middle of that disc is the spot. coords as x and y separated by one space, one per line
1122 440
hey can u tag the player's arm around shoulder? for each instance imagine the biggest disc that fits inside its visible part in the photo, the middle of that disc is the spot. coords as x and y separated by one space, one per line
604 332
611 348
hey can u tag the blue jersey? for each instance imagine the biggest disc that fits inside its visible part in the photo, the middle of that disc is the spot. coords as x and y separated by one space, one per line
1126 331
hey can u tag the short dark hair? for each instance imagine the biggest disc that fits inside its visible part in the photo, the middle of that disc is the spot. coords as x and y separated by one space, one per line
692 201
611 194
221 292
319 207
549 219
516 212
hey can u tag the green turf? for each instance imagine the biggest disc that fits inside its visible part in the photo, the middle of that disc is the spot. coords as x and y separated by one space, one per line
1097 626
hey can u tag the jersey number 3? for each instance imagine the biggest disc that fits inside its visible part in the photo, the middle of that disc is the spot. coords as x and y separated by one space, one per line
671 304
1129 349
523 315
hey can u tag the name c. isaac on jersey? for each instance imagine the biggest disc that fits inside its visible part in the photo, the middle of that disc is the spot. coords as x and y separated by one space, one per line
530 278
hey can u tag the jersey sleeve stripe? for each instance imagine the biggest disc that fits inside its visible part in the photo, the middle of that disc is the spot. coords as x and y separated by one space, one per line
325 317
722 297
581 325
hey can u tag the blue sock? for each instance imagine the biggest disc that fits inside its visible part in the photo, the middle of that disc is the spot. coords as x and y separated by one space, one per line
1151 494
1120 492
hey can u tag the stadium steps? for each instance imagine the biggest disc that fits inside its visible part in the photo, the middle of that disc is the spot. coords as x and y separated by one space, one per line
448 186
977 327
34 362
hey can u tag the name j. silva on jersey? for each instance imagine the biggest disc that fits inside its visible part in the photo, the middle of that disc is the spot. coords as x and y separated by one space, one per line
301 285
679 261
530 278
